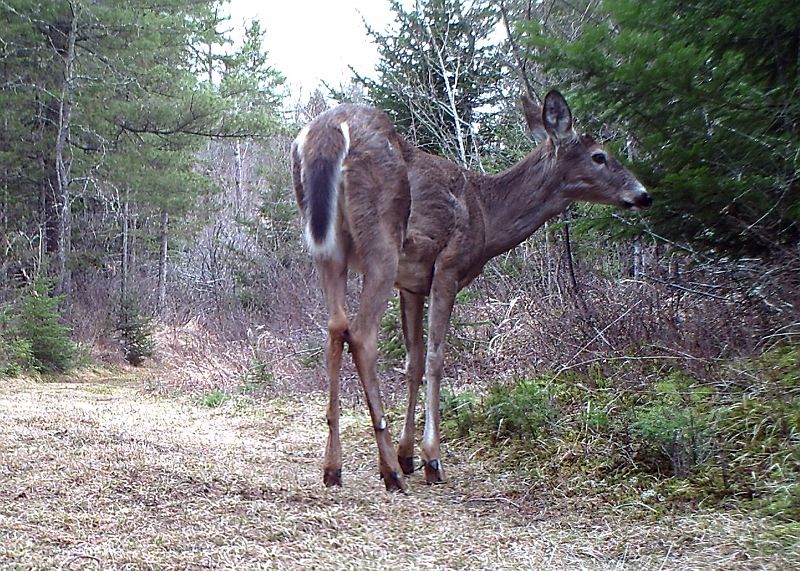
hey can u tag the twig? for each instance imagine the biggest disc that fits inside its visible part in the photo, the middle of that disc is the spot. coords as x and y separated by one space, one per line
498 499
687 290
74 558
595 338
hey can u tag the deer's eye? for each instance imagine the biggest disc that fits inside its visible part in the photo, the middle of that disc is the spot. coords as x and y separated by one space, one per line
599 158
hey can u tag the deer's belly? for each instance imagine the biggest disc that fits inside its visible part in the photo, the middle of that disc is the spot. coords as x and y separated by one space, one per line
414 276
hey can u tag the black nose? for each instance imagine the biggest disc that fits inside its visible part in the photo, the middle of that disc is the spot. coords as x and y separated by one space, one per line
645 200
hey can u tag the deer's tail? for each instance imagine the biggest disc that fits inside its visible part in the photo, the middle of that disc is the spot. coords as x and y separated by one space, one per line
318 154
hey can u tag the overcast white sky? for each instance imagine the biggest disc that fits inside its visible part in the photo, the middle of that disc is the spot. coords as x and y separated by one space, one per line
314 40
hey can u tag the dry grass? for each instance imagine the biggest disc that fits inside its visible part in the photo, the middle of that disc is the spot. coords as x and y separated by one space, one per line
99 475
193 358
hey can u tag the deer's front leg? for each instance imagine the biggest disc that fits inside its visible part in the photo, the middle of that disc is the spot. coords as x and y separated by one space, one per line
411 306
443 293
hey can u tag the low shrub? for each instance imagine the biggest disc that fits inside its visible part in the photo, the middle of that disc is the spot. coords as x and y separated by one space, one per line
391 346
16 356
673 424
135 332
518 410
35 338
214 398
459 413
678 440
258 378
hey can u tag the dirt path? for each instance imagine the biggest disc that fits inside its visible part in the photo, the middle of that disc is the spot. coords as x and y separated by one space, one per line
102 476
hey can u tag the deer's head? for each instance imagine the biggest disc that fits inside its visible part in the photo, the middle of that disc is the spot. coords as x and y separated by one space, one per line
588 171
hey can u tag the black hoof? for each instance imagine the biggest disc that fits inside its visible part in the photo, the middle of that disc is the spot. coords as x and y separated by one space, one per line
332 477
406 464
433 472
394 482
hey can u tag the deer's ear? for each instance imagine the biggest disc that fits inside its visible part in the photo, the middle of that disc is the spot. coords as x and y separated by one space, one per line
556 117
533 117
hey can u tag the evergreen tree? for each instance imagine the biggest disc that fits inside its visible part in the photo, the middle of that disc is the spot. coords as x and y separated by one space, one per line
135 331
39 325
109 100
710 93
438 75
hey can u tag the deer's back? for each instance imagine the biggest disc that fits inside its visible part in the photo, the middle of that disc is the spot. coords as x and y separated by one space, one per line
375 201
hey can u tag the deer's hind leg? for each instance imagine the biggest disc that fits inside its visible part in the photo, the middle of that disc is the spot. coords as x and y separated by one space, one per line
334 284
377 286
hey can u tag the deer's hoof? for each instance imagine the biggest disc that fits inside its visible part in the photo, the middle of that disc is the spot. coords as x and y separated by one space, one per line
434 474
406 464
394 482
332 477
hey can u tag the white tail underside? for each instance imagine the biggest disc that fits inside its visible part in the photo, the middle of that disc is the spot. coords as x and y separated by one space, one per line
328 247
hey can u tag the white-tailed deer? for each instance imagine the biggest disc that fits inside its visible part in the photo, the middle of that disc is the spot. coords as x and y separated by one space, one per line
407 219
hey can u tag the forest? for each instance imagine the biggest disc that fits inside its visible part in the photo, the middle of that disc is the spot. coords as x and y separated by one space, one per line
148 224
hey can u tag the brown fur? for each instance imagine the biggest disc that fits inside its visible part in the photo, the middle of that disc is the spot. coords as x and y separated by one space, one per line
422 224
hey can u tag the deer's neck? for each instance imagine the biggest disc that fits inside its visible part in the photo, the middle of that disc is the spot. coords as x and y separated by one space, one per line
518 201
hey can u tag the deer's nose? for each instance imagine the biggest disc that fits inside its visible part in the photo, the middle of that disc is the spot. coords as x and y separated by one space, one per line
640 199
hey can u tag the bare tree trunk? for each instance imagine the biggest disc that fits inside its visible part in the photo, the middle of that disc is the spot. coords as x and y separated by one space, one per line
5 255
40 268
636 258
451 98
636 245
238 175
568 254
63 162
520 60
674 268
132 243
548 254
162 262
125 246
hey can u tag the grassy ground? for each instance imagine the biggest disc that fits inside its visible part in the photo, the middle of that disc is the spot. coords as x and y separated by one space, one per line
99 474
